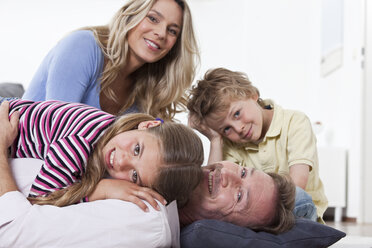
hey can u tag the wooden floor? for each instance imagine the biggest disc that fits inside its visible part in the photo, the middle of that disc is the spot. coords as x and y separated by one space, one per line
352 228
349 225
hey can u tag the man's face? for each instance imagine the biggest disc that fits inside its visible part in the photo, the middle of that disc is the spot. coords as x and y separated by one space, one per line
239 195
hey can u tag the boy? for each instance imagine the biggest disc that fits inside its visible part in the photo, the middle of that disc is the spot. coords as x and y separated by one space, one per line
243 128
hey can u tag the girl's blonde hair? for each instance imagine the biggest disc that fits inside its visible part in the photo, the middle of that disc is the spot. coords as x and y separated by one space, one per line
181 172
159 87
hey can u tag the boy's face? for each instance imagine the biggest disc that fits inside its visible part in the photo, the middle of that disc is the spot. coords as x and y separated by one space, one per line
241 122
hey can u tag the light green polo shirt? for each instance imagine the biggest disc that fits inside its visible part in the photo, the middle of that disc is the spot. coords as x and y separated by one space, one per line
290 140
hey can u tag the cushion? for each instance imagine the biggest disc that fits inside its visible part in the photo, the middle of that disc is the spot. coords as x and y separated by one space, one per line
11 90
214 233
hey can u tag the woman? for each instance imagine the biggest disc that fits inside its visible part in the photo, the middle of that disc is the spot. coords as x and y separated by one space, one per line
143 60
80 144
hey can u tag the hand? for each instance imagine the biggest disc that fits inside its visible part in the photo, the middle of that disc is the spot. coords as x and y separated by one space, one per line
126 191
9 127
203 128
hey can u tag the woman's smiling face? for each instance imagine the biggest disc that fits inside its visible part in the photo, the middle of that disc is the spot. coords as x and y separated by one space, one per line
157 33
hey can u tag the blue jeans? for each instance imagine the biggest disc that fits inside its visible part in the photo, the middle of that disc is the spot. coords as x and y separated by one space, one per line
304 206
7 98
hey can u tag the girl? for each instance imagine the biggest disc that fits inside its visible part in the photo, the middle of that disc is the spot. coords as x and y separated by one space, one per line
80 144
143 60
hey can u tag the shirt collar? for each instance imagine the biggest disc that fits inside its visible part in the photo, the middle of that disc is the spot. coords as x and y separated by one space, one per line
276 123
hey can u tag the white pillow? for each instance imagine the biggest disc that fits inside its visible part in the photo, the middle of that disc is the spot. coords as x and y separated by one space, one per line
107 223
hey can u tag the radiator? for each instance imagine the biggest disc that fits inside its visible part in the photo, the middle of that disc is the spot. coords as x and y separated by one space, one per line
332 171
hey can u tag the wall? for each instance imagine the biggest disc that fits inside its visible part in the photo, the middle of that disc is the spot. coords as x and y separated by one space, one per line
275 51
30 28
276 42
339 102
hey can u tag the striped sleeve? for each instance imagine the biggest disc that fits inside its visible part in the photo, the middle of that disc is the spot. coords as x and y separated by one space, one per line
63 135
64 164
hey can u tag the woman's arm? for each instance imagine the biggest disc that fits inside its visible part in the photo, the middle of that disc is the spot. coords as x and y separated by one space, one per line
69 72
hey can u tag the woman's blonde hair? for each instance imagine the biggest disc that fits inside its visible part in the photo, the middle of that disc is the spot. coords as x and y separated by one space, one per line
159 87
182 156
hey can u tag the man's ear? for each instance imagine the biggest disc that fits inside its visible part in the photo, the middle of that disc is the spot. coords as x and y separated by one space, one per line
147 124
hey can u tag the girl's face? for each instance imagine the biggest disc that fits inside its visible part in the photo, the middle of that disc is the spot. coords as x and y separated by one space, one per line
157 33
134 156
242 122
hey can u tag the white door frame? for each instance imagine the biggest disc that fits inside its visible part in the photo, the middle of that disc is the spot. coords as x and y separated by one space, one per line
366 170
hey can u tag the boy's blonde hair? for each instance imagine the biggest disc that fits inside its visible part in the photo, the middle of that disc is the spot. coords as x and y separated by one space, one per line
181 154
159 87
214 93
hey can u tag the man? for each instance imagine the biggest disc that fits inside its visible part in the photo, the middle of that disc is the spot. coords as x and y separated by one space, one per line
242 196
230 186
228 182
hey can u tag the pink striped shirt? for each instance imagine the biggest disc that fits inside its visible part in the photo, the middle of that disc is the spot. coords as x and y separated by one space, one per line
60 133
